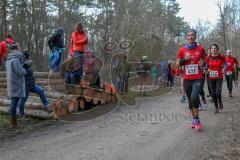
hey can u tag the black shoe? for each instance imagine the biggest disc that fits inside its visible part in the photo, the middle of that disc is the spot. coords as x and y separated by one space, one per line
216 111
220 106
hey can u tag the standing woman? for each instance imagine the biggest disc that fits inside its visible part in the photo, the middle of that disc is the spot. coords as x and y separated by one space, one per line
77 48
230 71
191 56
215 62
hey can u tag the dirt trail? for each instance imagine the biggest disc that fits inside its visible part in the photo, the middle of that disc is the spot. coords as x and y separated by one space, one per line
156 129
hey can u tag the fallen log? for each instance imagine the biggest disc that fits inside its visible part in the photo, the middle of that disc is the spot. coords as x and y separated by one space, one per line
55 75
30 112
28 105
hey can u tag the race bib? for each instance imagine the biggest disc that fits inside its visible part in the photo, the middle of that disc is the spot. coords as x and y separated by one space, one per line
191 69
228 72
213 74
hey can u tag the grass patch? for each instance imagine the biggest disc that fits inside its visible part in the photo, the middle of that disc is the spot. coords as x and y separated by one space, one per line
29 125
129 97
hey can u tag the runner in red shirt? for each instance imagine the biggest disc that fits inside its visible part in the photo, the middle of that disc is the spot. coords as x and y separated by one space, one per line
215 62
191 56
230 70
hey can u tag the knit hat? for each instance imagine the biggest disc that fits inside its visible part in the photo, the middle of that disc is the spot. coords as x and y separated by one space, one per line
144 57
26 54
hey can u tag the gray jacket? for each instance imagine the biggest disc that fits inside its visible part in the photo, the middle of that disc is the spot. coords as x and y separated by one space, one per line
15 74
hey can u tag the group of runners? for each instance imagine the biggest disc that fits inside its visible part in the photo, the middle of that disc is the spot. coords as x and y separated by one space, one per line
196 65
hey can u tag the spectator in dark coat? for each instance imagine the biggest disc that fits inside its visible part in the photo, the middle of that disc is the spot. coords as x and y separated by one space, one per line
31 86
15 80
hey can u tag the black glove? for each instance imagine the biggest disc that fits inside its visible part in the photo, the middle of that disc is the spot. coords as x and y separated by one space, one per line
27 63
182 62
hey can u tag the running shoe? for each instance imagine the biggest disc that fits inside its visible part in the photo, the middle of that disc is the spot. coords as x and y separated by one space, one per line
204 105
200 107
220 106
230 95
198 125
193 123
211 100
216 111
183 99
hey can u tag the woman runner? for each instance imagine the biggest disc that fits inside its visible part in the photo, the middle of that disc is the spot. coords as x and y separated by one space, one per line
215 62
191 57
229 73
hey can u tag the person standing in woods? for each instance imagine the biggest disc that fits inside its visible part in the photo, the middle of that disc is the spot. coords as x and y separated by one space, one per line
191 57
4 47
154 74
15 80
142 70
56 45
77 49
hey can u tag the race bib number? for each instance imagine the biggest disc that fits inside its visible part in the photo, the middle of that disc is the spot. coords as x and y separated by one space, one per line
191 69
228 72
213 74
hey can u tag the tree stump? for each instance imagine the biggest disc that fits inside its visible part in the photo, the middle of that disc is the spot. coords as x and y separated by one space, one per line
97 97
82 103
88 94
104 98
74 105
109 99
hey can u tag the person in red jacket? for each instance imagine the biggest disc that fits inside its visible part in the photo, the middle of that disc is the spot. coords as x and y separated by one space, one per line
231 63
77 48
4 47
191 57
215 62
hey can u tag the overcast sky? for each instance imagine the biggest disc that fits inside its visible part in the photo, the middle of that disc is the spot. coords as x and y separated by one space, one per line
193 10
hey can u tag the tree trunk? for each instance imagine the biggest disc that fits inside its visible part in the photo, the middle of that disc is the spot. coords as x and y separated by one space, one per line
14 17
61 15
5 16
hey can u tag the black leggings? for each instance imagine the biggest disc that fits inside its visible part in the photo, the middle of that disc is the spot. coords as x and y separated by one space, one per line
216 86
209 86
192 89
229 79
202 89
